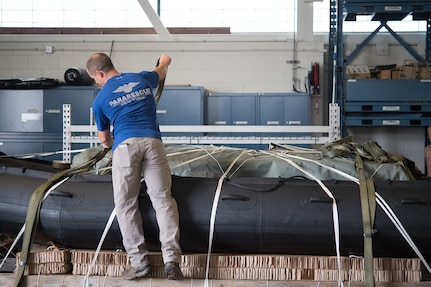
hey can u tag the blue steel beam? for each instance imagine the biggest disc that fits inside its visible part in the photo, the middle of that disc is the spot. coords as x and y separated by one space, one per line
404 44
362 45
394 34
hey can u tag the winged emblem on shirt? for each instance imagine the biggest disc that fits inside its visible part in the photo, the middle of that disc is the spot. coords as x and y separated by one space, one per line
126 88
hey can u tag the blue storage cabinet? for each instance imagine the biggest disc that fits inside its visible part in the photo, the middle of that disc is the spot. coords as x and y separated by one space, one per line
218 109
181 105
37 117
297 109
284 109
80 98
271 110
232 109
21 111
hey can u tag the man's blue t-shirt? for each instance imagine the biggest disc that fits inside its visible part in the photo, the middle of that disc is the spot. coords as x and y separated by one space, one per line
127 103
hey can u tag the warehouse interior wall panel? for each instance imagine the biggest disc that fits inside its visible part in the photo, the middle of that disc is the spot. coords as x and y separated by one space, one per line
227 63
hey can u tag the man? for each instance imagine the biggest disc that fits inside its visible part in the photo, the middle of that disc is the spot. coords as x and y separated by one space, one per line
127 103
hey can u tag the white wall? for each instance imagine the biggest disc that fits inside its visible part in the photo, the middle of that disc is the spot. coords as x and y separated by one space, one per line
220 63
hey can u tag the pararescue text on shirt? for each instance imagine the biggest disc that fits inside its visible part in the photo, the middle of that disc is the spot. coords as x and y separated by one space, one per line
130 97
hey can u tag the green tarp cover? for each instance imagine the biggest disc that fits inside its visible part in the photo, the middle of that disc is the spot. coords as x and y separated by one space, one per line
208 161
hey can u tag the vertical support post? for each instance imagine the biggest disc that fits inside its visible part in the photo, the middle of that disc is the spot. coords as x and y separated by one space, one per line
67 132
332 41
340 67
92 133
336 69
334 122
428 42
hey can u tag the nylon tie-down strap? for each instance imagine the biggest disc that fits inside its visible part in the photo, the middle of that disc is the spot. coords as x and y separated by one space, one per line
33 211
368 205
370 151
159 89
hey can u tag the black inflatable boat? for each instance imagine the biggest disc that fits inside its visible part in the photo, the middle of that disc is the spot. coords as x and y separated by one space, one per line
264 205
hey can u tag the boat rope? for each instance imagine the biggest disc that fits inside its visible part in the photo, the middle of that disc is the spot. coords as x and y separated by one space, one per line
39 154
241 165
160 85
213 215
376 170
99 247
18 237
98 171
387 209
208 154
34 206
21 232
381 202
335 218
204 148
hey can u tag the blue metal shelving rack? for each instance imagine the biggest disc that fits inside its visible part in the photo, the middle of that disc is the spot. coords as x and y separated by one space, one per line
350 95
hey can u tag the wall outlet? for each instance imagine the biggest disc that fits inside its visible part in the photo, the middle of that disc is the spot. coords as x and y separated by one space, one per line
49 49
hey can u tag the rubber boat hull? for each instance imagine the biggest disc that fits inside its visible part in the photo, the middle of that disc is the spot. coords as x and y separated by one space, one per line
293 218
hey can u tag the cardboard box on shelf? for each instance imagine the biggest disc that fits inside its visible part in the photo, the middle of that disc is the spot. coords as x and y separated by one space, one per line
396 74
358 72
384 74
424 71
409 70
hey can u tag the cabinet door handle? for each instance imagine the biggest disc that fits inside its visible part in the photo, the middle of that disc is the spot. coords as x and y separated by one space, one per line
220 122
52 111
272 123
293 122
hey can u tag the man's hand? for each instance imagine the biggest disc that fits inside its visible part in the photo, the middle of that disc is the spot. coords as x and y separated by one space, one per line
106 138
162 68
164 60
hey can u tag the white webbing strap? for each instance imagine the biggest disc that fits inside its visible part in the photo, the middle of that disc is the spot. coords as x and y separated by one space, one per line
40 154
21 232
213 214
99 246
334 213
390 213
208 154
383 204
